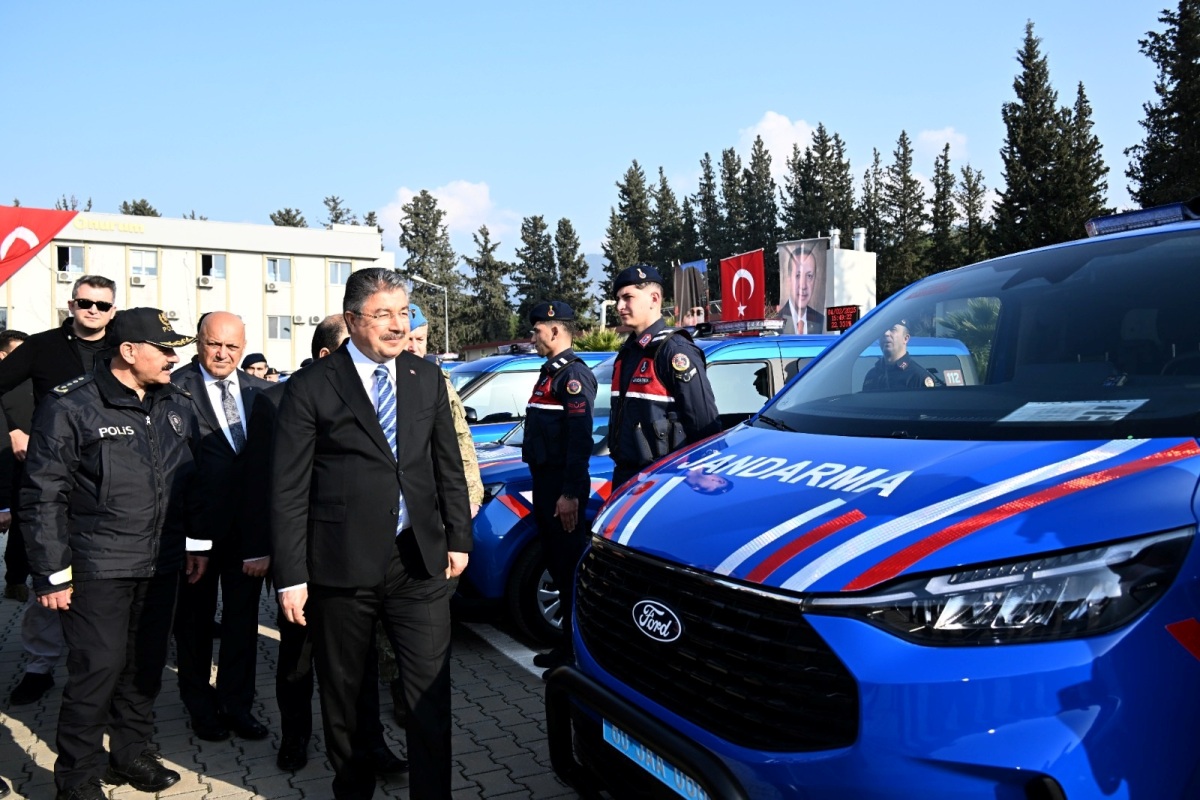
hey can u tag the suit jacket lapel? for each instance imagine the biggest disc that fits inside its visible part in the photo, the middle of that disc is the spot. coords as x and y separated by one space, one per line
345 381
195 385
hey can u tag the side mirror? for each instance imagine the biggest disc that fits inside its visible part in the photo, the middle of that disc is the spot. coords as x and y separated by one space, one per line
472 417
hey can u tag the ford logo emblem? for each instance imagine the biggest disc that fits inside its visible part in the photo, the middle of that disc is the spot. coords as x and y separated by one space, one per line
656 621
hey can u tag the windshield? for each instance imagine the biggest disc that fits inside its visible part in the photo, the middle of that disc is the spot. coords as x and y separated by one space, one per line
1095 340
461 376
603 372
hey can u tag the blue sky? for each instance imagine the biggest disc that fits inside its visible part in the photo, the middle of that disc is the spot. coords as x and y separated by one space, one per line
503 110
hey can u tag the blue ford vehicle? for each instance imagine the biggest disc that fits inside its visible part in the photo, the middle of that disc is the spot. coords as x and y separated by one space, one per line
982 590
507 563
495 389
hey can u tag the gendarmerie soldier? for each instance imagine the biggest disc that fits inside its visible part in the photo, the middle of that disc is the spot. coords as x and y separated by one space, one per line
896 368
661 397
558 447
107 498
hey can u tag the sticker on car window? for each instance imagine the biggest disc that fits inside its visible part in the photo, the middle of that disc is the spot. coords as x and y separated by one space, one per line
1075 411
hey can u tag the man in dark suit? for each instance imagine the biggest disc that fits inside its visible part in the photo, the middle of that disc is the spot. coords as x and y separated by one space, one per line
370 518
797 314
223 397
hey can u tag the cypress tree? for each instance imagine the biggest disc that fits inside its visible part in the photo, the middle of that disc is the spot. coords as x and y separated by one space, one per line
971 199
1083 186
489 310
762 213
424 236
944 245
574 288
1031 148
870 207
801 195
733 204
666 225
633 204
1165 166
535 274
839 189
902 260
689 242
707 205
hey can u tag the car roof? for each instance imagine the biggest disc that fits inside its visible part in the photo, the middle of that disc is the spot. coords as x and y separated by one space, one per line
524 362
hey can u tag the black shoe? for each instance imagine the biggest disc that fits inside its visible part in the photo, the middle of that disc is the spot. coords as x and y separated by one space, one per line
146 774
90 790
209 728
293 753
31 688
555 658
385 762
244 725
4 790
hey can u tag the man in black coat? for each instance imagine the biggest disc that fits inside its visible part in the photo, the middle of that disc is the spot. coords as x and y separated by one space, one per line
370 518
223 397
46 360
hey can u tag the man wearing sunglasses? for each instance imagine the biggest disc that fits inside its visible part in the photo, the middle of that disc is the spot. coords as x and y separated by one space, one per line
48 359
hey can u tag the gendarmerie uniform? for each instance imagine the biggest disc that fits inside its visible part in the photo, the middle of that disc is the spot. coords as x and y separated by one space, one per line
661 397
903 373
558 447
107 499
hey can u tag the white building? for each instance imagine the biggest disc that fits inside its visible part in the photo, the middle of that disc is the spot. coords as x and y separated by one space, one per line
280 280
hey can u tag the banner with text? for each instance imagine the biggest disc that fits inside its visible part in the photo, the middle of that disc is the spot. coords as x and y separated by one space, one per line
743 287
802 282
24 232
691 293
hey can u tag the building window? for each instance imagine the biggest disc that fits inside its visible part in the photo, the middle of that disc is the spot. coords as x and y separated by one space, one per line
279 327
339 272
279 270
212 265
3 319
143 262
70 258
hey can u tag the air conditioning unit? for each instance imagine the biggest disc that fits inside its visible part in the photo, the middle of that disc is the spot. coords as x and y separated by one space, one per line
314 320
298 319
204 281
137 280
65 277
272 287
172 315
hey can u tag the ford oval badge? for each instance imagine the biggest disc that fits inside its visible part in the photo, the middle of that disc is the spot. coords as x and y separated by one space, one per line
656 621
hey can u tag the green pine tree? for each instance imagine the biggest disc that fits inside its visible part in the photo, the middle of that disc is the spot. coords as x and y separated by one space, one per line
65 204
139 208
762 214
489 310
288 218
1165 166
802 208
666 224
839 189
1081 174
574 287
426 239
620 250
975 231
902 259
689 242
536 273
336 213
1023 215
870 206
707 205
945 251
733 204
633 204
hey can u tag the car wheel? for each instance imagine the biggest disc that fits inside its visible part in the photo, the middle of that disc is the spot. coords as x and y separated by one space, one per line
532 596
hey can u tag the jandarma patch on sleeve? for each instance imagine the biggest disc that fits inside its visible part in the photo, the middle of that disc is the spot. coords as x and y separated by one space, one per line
680 362
574 386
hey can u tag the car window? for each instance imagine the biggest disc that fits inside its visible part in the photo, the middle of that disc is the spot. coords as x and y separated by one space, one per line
461 377
740 387
501 396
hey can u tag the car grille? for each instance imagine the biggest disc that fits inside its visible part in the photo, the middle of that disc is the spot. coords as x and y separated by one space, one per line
747 667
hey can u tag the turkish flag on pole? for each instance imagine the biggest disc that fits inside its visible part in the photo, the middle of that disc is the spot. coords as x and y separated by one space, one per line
743 287
24 232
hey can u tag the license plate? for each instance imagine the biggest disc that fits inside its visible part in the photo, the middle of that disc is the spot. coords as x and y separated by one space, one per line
667 773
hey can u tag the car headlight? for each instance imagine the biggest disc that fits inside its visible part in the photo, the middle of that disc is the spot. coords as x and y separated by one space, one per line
1056 596
490 490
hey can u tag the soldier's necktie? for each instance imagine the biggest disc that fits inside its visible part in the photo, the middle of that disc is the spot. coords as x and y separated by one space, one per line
386 411
229 404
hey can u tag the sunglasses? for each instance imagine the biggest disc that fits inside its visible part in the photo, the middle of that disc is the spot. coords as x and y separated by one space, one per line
100 304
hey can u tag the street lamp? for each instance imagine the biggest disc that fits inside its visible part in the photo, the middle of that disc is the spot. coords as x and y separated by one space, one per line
446 305
604 312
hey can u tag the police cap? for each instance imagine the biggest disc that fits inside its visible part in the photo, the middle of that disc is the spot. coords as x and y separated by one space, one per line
552 311
144 325
638 273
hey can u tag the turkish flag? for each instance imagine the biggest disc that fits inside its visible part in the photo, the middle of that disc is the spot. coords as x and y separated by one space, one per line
24 232
743 287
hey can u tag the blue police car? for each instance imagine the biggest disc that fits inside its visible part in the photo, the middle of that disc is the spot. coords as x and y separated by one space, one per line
923 588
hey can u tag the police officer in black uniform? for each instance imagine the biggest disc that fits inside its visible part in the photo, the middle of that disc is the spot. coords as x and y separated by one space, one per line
107 498
661 397
558 446
896 368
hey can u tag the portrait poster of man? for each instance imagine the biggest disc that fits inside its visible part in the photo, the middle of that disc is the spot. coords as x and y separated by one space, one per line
802 282
691 293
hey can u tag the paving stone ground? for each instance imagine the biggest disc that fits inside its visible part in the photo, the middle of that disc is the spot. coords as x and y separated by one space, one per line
499 734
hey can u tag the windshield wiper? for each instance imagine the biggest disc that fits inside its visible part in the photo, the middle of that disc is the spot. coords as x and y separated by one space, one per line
777 424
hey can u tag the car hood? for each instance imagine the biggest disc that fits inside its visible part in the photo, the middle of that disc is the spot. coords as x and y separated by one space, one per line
811 513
